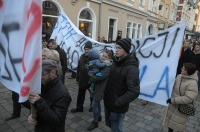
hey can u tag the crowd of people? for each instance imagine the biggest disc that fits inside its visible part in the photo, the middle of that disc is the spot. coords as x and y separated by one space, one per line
112 77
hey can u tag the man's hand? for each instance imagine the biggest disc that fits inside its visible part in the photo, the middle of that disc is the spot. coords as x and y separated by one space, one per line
31 120
168 101
33 98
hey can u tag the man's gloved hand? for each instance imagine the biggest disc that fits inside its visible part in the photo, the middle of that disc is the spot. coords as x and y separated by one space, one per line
168 101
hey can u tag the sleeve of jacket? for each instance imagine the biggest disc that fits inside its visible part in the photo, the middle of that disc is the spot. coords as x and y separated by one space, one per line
105 73
63 60
133 87
56 113
100 64
190 95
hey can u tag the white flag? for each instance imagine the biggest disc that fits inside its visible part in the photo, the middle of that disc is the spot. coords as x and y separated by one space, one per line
20 46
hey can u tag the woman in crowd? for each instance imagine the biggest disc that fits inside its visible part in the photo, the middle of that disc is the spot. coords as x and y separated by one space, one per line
185 91
100 82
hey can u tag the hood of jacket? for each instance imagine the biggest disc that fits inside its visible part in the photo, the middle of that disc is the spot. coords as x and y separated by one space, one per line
192 77
93 54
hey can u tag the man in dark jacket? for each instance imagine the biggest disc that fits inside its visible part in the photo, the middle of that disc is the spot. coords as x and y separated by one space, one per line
83 79
195 59
185 56
123 85
63 58
53 103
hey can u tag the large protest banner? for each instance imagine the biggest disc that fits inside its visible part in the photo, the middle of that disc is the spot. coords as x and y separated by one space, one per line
20 46
158 55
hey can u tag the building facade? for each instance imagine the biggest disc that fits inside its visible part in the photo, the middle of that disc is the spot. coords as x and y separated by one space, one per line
104 20
100 19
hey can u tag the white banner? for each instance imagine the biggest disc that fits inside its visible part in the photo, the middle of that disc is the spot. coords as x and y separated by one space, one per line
158 55
20 46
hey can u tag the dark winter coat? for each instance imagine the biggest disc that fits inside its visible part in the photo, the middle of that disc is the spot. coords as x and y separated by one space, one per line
123 84
195 59
63 58
82 72
100 83
52 107
184 58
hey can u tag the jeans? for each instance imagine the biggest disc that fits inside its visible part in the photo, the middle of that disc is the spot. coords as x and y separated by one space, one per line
114 120
96 107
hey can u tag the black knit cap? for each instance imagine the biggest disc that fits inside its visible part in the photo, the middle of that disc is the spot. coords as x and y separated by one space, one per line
125 43
88 45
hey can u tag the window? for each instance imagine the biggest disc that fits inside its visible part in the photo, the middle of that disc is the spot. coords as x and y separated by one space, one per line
112 30
166 13
172 15
49 17
139 31
128 32
162 11
150 29
130 1
86 23
181 1
154 6
142 2
134 30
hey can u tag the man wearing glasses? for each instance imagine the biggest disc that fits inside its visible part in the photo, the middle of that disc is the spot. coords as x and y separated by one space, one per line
122 86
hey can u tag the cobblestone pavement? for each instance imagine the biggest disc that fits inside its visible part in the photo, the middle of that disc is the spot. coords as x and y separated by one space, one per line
138 119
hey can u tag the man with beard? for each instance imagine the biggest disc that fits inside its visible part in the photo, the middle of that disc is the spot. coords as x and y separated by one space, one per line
53 103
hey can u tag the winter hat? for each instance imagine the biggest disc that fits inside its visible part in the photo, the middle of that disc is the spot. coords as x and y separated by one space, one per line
48 65
93 54
125 43
88 44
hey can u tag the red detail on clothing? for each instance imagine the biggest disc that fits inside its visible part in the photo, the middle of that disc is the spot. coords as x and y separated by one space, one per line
32 71
24 91
1 3
34 26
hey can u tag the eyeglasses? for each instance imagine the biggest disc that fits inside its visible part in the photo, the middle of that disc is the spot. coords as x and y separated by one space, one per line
118 47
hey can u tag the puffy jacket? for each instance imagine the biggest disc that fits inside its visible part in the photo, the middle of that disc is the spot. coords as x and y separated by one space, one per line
100 83
52 107
187 94
122 85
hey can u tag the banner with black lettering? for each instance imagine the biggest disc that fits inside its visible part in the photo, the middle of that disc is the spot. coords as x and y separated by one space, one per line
158 55
20 46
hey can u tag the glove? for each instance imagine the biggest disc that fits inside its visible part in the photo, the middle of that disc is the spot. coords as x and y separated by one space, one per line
168 101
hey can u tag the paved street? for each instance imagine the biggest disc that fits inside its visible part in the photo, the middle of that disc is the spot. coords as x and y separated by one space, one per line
138 119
